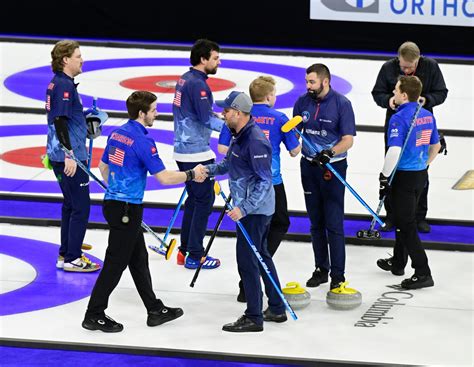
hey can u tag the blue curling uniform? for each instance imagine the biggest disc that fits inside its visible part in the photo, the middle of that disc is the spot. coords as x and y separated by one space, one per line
194 122
248 163
130 154
271 121
325 121
409 182
194 119
62 99
424 134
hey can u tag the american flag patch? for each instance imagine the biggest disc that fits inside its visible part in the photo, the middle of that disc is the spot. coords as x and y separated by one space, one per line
50 86
116 156
423 137
267 133
177 99
48 103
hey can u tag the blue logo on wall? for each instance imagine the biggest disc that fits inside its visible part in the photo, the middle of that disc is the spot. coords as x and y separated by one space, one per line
354 6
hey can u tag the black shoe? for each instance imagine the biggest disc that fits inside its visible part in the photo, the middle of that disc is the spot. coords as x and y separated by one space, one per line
103 323
386 264
388 226
268 315
242 325
423 226
166 314
241 296
319 277
418 281
335 284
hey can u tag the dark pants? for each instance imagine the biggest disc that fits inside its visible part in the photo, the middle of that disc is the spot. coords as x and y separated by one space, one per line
406 190
197 208
74 212
280 220
324 198
126 248
421 207
250 269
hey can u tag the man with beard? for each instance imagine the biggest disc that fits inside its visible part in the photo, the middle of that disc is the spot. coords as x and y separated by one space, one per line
329 124
129 155
194 122
249 165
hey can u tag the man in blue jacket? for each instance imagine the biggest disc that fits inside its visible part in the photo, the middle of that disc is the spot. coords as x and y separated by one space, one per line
263 93
129 155
67 126
249 165
409 181
329 123
194 122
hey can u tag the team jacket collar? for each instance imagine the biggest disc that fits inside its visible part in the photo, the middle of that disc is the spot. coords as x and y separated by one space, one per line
137 126
245 128
198 72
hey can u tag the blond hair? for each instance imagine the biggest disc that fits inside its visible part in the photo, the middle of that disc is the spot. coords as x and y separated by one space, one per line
261 87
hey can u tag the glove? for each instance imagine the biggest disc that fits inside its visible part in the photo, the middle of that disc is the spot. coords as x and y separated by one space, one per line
385 187
444 147
323 157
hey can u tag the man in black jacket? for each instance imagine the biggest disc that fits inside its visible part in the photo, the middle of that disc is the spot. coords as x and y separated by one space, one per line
434 92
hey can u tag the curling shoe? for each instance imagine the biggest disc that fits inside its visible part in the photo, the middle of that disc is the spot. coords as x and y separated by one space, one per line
242 325
103 323
180 257
386 264
60 262
81 265
241 296
268 315
165 314
207 263
319 276
418 281
423 226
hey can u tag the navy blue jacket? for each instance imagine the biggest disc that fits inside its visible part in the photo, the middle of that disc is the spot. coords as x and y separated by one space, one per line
249 164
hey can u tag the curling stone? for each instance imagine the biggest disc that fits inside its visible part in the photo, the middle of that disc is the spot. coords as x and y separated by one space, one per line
343 298
296 295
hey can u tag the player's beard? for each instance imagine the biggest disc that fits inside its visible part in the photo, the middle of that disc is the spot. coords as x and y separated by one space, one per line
211 71
314 93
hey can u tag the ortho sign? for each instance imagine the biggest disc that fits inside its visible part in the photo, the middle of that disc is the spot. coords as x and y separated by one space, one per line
438 12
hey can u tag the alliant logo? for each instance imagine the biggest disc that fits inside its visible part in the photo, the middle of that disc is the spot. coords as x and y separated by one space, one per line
354 6
377 313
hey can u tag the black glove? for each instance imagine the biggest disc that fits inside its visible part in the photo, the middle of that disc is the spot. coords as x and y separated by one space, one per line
385 187
444 147
323 157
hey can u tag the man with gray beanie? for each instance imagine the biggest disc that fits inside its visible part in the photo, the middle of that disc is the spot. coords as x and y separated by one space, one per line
249 165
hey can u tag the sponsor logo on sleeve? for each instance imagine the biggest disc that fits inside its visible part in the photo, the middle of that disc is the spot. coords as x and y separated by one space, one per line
394 133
